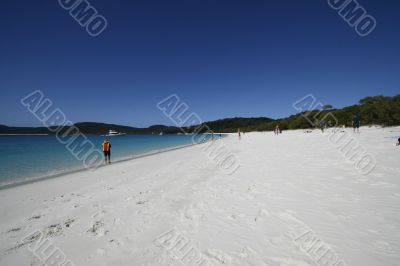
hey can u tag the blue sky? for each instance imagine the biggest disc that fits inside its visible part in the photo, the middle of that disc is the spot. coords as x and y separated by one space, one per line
224 58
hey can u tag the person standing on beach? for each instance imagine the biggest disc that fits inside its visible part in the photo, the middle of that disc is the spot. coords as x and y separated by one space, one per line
277 130
107 151
322 125
239 135
398 142
356 123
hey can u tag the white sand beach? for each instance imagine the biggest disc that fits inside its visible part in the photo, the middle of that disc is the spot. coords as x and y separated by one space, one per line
295 200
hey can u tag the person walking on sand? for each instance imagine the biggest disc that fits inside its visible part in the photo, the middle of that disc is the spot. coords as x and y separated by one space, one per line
107 151
398 142
239 134
277 130
322 125
356 124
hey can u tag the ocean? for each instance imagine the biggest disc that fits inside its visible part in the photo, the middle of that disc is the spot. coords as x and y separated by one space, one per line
25 158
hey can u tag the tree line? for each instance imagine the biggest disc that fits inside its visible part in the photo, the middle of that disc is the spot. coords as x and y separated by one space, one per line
372 110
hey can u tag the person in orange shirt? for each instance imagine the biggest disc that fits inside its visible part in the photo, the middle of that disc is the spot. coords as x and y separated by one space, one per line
107 151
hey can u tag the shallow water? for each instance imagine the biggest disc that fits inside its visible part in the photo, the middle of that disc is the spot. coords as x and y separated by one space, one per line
28 157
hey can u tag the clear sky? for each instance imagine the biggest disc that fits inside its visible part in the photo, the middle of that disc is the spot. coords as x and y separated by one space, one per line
224 58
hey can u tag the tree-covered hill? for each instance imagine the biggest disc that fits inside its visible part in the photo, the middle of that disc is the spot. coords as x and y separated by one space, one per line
232 124
376 110
373 110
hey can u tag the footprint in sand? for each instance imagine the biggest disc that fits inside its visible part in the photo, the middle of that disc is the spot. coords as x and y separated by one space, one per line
14 230
113 243
141 202
247 252
117 221
195 211
237 216
218 256
53 230
99 214
262 214
97 229
35 217
69 222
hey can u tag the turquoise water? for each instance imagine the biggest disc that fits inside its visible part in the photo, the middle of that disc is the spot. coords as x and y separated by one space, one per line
28 157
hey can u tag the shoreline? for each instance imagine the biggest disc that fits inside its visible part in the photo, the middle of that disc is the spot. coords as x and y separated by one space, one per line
31 180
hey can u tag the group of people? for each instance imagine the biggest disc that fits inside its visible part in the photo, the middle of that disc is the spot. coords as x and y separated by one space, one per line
322 125
355 123
277 131
106 145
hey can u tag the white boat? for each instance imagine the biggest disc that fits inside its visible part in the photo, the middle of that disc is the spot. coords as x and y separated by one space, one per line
112 133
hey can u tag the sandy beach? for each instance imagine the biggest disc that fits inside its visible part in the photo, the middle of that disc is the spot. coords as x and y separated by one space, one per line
295 200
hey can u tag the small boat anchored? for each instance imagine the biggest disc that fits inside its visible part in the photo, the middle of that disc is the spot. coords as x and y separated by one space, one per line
113 133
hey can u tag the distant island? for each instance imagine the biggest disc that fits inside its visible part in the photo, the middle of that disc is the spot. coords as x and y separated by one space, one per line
374 110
